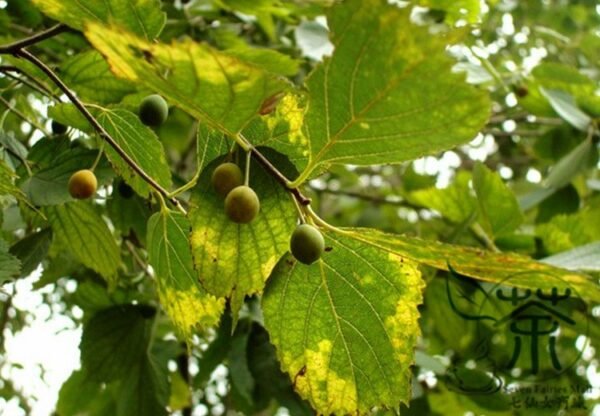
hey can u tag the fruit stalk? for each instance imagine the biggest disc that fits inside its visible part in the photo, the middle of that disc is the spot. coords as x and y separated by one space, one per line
101 131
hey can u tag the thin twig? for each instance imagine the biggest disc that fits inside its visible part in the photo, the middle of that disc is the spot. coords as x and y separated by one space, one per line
136 257
17 49
101 131
369 198
22 116
31 82
20 158
33 39
280 177
501 133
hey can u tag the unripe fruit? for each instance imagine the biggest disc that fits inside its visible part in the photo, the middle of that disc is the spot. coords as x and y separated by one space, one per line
83 184
307 244
58 128
242 204
153 110
226 177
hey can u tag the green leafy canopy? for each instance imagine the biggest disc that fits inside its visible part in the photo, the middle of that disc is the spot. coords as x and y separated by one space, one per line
166 288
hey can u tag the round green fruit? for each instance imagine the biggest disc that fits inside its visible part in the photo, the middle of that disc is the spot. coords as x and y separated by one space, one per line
226 177
58 128
82 184
242 204
307 244
153 110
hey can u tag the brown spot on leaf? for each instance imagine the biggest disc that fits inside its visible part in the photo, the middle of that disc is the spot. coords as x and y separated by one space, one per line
300 373
269 105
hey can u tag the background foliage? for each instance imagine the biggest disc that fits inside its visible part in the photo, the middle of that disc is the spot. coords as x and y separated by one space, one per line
435 139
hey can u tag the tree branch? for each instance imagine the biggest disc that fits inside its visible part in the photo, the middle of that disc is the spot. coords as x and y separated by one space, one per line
17 49
22 53
23 116
501 133
33 39
375 199
30 81
280 177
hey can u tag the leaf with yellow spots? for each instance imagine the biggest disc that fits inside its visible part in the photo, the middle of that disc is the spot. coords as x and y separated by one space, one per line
479 264
282 130
345 327
387 94
234 260
142 17
213 86
179 290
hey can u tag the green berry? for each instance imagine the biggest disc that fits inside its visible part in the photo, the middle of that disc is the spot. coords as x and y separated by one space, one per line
307 244
242 204
82 184
226 177
153 110
58 128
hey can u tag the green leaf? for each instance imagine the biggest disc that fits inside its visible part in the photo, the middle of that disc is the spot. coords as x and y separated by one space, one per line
7 182
479 264
239 373
268 59
567 167
561 77
77 393
129 214
565 232
565 200
345 327
32 249
92 297
88 74
261 9
586 257
141 144
455 9
25 11
565 106
69 115
236 259
79 229
142 17
10 266
114 340
212 86
179 290
388 93
282 130
455 202
8 141
144 391
497 203
115 350
270 380
209 145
